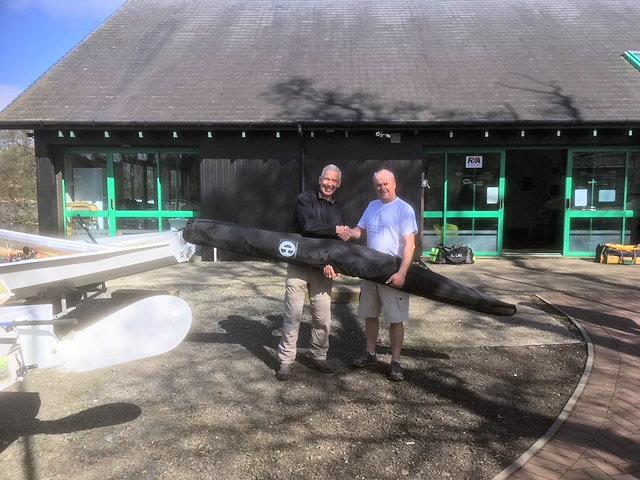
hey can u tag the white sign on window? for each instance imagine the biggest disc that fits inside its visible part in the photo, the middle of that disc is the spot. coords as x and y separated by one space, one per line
605 196
580 197
492 195
473 161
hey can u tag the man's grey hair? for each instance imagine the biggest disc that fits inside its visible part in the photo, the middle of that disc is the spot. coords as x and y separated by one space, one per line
333 168
383 171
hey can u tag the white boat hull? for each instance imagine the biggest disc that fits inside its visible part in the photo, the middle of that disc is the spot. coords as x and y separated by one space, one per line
146 328
94 264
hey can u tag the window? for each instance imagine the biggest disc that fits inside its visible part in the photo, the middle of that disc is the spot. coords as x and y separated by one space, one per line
128 191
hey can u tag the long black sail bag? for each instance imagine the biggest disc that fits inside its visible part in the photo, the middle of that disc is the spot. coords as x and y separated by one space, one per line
346 258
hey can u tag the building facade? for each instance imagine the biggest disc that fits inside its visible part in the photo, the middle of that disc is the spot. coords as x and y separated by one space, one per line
510 129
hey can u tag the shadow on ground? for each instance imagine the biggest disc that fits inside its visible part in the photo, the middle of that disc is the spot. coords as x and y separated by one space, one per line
19 411
212 408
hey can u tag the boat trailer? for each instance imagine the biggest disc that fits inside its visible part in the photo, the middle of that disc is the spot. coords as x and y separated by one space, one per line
43 278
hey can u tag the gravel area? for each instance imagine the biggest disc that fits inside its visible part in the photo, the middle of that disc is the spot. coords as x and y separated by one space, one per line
478 392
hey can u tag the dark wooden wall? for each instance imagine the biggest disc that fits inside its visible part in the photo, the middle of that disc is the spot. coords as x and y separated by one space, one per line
49 203
252 181
255 180
359 156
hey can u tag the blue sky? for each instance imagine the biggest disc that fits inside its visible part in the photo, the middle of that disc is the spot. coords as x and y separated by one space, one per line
35 34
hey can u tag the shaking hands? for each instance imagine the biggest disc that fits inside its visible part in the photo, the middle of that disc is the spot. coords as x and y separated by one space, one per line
343 232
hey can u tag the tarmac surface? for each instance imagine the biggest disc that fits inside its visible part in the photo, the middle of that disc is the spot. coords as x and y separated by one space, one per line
479 392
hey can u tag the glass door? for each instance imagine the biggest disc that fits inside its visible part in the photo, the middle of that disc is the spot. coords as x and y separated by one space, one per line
123 192
135 183
598 200
469 207
84 190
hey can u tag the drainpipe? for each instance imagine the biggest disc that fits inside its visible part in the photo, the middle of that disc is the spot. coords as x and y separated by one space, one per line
302 158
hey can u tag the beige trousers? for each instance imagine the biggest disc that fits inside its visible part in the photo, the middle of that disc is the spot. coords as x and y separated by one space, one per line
301 279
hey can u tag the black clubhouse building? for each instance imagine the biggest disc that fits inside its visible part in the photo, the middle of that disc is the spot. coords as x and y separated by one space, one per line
512 126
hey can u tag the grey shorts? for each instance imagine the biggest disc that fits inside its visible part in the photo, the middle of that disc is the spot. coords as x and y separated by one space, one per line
376 298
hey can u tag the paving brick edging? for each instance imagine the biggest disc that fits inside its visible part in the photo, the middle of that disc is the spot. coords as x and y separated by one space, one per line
566 410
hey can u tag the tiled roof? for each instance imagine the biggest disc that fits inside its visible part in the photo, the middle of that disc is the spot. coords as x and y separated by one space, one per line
330 61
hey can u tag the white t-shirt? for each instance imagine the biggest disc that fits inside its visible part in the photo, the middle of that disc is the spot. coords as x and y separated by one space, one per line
387 224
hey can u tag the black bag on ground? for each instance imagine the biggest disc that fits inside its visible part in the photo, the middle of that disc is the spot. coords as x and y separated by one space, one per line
455 255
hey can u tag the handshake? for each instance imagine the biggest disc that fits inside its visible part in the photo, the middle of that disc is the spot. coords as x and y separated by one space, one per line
343 232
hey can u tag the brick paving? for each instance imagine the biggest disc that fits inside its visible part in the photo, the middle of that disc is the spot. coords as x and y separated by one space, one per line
600 439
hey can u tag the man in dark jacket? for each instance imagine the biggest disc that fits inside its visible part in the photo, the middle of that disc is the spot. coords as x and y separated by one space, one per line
316 215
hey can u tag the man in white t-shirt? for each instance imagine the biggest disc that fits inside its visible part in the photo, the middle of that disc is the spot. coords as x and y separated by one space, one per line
390 226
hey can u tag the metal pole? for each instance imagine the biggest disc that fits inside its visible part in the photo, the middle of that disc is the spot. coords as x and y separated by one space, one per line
302 158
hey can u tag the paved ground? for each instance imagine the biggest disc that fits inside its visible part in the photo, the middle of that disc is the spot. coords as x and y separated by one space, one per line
601 437
479 391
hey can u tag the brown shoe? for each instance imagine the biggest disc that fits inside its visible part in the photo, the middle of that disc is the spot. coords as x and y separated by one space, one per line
322 365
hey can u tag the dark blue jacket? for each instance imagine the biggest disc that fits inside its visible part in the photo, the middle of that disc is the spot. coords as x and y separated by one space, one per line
316 217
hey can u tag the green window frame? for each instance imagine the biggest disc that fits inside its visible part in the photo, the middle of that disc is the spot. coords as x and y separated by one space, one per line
445 214
633 57
111 213
623 214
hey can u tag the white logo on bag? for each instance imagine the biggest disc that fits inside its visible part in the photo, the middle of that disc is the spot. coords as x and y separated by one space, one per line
287 248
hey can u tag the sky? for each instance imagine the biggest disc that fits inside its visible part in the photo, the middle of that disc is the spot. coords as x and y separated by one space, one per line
35 34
